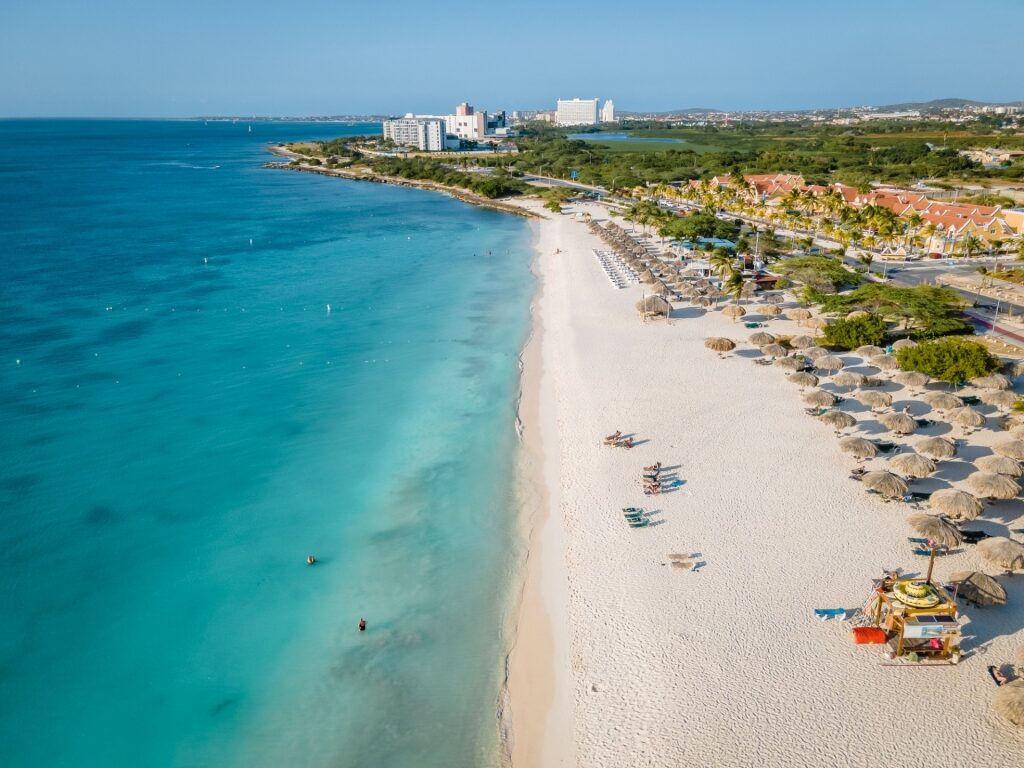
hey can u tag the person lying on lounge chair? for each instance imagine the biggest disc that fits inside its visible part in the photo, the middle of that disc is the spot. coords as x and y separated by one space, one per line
652 490
997 676
655 467
612 439
627 443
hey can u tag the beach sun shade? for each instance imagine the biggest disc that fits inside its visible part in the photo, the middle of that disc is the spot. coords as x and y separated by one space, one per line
874 399
999 465
912 378
885 362
774 298
904 344
988 485
993 381
912 465
774 350
654 305
936 528
803 379
943 401
720 344
1008 701
848 379
734 311
770 311
900 423
955 503
886 483
793 363
1013 449
860 447
1000 398
935 448
817 322
855 314
1002 552
801 342
820 398
798 314
815 352
838 419
869 351
761 338
829 363
978 588
966 417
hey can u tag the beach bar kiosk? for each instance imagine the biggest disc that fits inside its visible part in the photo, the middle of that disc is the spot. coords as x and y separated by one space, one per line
916 618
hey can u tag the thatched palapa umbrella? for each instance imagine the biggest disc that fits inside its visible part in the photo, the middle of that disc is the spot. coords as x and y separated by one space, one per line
860 447
943 401
904 344
936 448
912 378
800 315
761 338
1013 449
1002 552
829 363
886 362
815 352
653 306
848 379
774 350
1001 398
735 311
803 379
801 342
966 417
958 504
874 399
912 465
774 298
991 486
817 322
978 588
855 314
869 351
1008 701
939 531
646 276
900 423
838 419
992 381
720 344
999 465
770 311
886 483
793 363
820 398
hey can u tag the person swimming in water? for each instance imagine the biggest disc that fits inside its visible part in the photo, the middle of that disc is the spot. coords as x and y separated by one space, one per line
362 625
310 560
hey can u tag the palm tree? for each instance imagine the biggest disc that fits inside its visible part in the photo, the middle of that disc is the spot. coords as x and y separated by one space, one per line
721 262
971 245
733 285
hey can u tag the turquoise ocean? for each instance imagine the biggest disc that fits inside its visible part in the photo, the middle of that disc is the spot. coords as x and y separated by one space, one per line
183 421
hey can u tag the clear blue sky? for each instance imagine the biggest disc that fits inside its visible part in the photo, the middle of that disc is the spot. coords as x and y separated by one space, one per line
191 57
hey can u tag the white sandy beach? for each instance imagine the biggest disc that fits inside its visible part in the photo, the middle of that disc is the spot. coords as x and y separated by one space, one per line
623 660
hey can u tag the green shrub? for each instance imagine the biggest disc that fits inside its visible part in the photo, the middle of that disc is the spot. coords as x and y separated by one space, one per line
855 332
951 359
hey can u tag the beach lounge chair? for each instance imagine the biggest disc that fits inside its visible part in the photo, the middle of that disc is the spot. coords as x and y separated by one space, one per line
829 613
641 522
923 552
754 325
916 540
919 495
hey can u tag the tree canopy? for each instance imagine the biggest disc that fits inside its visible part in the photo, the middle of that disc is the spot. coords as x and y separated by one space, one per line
953 359
821 273
926 310
855 332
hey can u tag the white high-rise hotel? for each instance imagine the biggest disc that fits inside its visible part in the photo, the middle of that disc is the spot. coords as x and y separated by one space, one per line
584 112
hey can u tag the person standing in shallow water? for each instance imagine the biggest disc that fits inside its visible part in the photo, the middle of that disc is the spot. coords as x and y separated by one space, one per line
362 625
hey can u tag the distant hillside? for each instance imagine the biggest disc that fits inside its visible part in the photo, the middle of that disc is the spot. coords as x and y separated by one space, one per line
946 104
667 112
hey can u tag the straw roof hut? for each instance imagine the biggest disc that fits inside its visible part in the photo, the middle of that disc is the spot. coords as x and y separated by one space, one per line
829 363
817 322
838 419
653 306
1008 701
874 399
988 485
1011 448
1003 552
860 447
646 276
814 352
801 342
704 301
900 423
886 362
734 311
912 465
1001 398
999 465
936 528
793 363
761 338
848 379
820 397
993 381
912 378
886 483
803 379
943 401
958 504
800 315
770 311
869 350
966 417
936 448
978 588
720 344
904 344
774 350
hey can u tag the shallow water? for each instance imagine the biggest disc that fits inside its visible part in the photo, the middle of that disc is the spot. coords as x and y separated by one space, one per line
183 422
